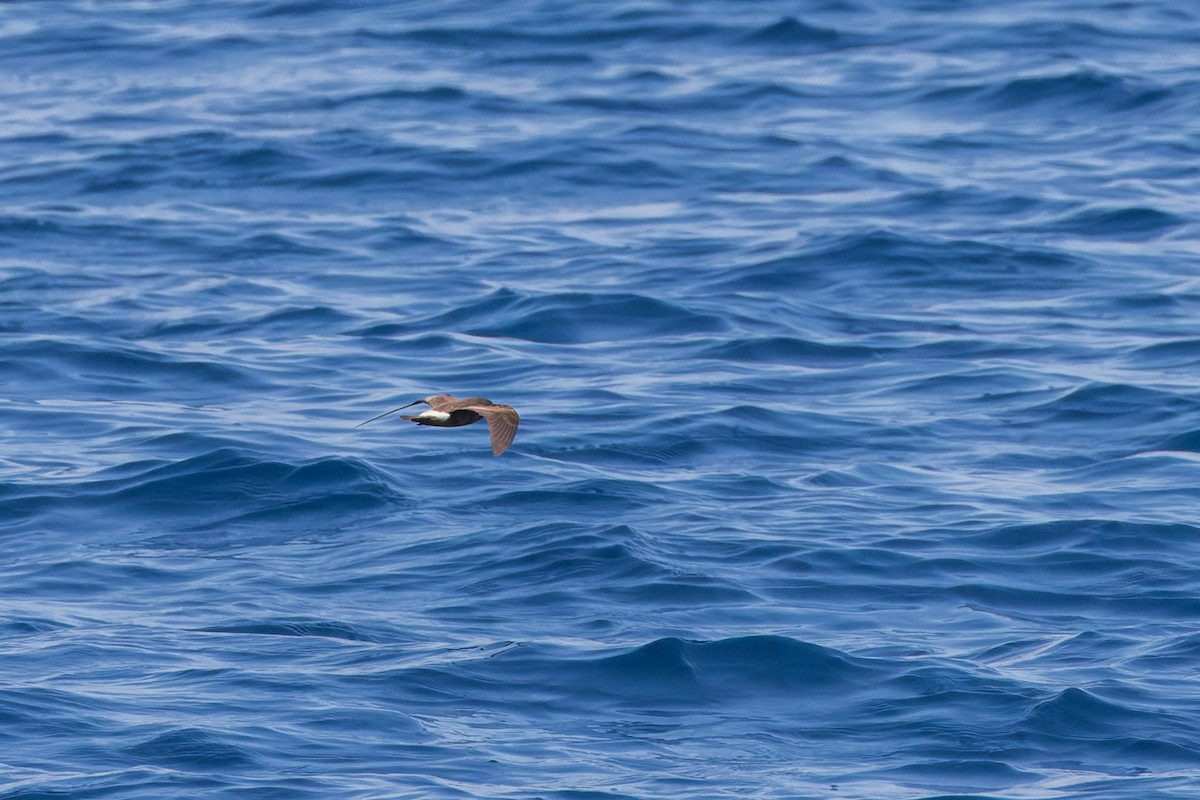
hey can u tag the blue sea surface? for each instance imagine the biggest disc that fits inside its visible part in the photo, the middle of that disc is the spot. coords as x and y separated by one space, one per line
857 350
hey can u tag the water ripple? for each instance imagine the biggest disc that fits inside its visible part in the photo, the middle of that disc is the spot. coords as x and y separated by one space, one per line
854 346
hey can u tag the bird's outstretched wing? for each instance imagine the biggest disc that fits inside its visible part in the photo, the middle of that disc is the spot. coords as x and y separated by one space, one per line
502 425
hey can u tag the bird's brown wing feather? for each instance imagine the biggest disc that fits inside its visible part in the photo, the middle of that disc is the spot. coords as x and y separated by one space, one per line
502 425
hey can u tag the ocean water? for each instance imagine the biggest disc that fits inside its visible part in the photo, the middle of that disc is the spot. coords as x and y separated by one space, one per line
856 346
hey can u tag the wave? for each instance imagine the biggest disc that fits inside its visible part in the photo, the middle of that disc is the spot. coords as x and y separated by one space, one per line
124 370
562 318
889 258
790 350
287 321
192 749
1076 725
790 32
665 673
223 490
301 628
1133 224
1079 89
1086 536
855 351
1094 402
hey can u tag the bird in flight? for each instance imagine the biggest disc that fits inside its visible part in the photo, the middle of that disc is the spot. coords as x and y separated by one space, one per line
447 411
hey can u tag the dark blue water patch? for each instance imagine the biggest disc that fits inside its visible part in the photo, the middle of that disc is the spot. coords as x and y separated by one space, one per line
1081 568
257 246
665 106
837 173
49 712
300 628
1115 538
390 338
789 350
790 35
15 228
992 389
892 259
32 317
571 500
668 139
13 628
1080 90
518 62
1084 650
1153 482
744 96
209 46
37 178
393 235
365 179
959 732
192 749
942 203
580 794
1074 607
568 590
195 158
967 774
81 578
35 141
1130 224
562 566
347 142
650 78
441 95
564 318
128 241
567 34
686 439
148 782
67 44
687 593
739 672
1095 402
1060 33
291 8
284 322
976 721
216 491
124 371
1077 724
724 669
1159 303
436 327
1188 442
1175 652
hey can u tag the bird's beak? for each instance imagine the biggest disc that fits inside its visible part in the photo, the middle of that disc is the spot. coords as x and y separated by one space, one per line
393 411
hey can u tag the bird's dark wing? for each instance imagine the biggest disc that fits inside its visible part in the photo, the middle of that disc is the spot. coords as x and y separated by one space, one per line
502 425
